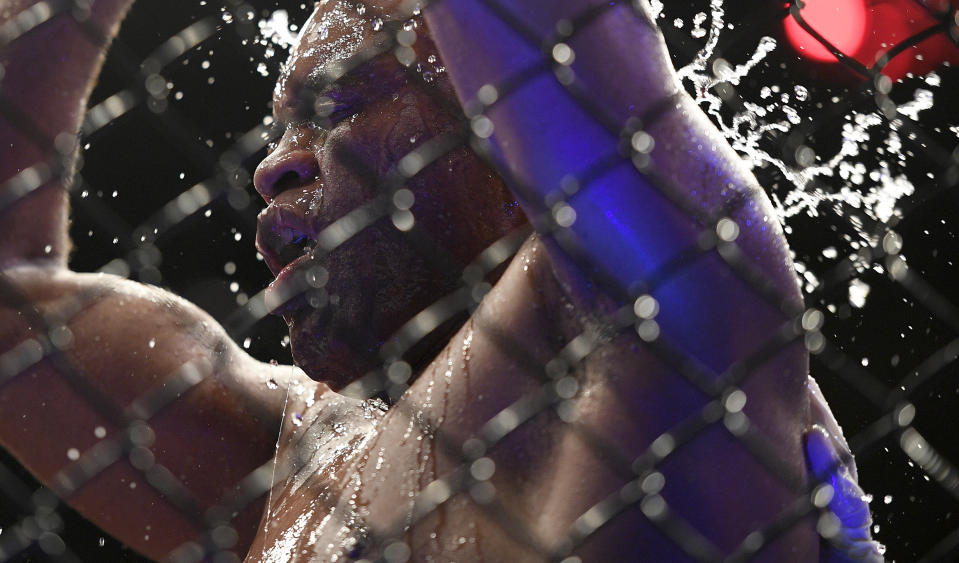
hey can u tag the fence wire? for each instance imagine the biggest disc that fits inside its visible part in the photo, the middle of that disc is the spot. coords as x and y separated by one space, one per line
895 403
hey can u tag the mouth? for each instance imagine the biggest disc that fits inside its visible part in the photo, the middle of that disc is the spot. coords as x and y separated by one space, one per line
286 239
299 245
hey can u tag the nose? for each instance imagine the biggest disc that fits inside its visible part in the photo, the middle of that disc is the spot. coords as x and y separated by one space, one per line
286 168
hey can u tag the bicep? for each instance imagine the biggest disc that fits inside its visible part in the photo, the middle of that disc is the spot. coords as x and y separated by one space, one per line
94 358
634 212
646 218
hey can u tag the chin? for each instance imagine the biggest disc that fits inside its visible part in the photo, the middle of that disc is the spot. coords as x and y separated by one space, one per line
334 344
333 363
377 283
336 360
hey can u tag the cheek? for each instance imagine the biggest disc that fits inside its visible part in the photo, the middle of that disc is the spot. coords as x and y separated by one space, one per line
409 127
382 135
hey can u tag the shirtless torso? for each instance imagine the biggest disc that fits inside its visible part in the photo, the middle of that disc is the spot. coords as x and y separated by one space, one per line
351 476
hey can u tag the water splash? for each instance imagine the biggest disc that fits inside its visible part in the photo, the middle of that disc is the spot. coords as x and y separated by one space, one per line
863 180
277 30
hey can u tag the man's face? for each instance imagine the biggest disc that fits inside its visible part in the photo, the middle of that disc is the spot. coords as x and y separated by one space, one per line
323 169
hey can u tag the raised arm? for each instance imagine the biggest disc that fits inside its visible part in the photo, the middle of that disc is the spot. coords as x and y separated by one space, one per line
650 220
43 96
676 186
630 223
87 359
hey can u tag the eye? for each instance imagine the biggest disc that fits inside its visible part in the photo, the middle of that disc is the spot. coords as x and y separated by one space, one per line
325 106
332 109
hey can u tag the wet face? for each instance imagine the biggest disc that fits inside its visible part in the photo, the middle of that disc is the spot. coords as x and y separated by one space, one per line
340 140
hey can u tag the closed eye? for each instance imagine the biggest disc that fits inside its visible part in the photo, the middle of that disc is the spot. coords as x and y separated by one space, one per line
332 109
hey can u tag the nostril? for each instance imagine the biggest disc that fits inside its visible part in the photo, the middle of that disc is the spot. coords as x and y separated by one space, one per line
284 171
287 181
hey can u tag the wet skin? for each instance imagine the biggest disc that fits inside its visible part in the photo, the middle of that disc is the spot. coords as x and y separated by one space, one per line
365 463
342 453
317 173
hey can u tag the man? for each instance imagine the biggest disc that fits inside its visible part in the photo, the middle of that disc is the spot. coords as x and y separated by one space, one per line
452 469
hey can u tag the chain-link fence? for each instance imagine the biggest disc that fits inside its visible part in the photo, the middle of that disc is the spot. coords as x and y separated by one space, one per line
881 329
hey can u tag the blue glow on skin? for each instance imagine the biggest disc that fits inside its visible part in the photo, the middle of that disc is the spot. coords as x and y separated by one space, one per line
626 227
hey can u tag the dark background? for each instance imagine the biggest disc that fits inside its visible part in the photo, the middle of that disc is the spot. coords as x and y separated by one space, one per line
142 159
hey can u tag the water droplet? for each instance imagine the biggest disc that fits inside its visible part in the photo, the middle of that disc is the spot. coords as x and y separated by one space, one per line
792 115
698 20
152 343
858 291
377 24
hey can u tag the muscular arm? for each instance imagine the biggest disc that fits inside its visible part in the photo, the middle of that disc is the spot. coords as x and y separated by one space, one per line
123 342
132 355
624 223
42 99
629 230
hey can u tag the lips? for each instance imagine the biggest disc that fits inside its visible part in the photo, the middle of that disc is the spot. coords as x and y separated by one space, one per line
286 236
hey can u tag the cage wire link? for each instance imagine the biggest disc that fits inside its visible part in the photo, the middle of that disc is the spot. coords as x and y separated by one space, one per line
558 384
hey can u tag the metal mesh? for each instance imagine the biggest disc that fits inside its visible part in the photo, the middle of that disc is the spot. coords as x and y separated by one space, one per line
884 366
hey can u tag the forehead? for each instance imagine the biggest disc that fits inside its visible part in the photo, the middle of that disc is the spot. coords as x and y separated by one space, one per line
335 31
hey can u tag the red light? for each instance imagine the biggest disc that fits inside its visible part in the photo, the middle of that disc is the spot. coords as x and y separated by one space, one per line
865 30
841 22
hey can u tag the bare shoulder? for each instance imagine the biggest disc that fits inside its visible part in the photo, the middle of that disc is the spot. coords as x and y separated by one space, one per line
86 356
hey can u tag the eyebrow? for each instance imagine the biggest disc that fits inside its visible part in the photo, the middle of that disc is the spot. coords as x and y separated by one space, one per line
356 75
304 97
